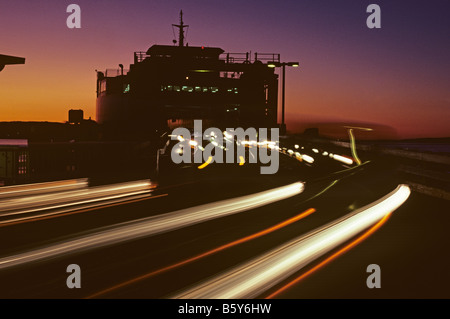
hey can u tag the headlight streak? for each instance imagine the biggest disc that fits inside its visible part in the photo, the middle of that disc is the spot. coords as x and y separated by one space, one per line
39 188
80 209
31 204
155 225
208 253
332 257
260 274
193 143
308 158
343 159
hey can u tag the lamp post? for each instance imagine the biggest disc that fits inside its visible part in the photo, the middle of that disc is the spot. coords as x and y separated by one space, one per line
283 88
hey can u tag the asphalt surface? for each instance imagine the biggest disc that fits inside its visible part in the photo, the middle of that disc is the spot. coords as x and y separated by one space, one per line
411 247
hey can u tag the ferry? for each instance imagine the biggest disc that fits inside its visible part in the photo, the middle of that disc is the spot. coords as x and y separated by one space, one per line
170 86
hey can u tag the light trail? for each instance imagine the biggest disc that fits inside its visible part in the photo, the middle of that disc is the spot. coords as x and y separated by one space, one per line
343 159
78 210
308 158
353 144
155 225
208 253
332 257
250 279
61 202
206 163
39 188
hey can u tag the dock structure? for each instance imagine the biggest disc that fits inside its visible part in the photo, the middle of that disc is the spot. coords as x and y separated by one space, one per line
9 59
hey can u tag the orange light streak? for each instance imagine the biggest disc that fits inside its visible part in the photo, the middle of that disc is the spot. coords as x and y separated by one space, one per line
332 257
78 211
205 163
208 253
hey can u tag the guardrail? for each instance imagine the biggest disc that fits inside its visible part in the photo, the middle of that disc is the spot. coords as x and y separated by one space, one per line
426 173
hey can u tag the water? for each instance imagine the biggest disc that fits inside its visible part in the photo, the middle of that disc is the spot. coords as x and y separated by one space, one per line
420 147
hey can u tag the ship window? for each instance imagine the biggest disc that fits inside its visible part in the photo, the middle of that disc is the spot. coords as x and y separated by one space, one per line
232 109
232 75
165 88
190 89
22 158
103 86
185 88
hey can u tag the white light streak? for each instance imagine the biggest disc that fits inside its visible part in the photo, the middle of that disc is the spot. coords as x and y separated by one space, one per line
253 278
343 159
308 158
156 224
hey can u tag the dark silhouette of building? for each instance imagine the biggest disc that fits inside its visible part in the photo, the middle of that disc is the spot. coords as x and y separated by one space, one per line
14 161
76 116
46 151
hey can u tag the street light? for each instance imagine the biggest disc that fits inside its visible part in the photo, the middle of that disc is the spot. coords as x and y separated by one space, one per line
283 65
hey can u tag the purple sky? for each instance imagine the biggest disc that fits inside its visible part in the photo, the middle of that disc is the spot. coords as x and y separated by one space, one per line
398 75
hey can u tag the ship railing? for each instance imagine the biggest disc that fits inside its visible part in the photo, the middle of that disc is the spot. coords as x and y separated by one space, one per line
235 57
267 57
247 57
115 72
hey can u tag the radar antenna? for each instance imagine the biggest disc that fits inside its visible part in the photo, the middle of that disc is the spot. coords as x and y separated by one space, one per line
180 27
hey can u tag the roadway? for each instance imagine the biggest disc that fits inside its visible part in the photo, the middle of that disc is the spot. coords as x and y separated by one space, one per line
226 231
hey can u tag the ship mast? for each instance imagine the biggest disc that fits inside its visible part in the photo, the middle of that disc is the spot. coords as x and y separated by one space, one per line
181 27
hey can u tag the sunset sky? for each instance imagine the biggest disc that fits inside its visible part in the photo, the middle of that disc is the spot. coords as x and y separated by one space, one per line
398 75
